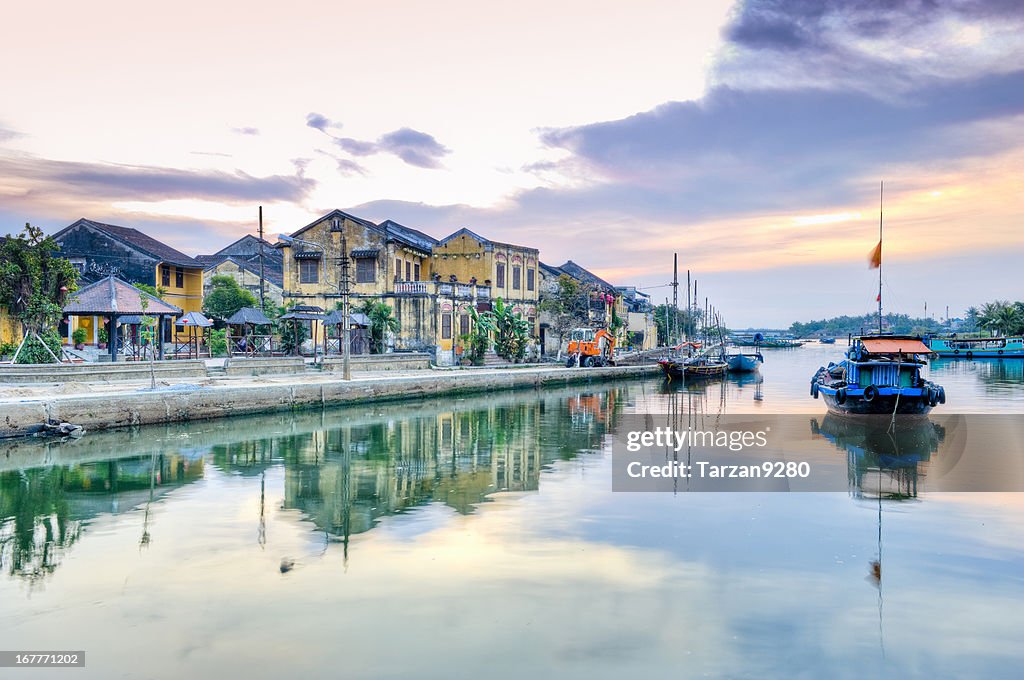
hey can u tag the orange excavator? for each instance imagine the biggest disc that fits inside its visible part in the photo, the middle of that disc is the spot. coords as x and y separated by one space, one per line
591 347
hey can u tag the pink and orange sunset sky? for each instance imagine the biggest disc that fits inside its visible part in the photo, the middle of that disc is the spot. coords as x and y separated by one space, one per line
750 137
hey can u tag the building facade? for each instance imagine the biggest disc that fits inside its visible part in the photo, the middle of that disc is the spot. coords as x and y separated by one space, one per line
99 250
241 261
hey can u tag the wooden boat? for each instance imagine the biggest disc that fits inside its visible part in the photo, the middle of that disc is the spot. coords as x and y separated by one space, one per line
704 367
827 341
880 375
673 368
953 347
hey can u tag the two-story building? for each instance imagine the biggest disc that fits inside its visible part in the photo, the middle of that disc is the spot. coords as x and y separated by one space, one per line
98 250
478 271
243 261
605 302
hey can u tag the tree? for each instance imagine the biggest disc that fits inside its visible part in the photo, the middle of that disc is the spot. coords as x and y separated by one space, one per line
479 338
673 324
511 332
226 297
568 305
34 285
1002 317
381 323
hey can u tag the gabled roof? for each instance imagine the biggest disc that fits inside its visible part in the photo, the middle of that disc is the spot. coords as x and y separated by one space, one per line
580 274
111 295
466 232
273 266
234 249
551 269
135 239
408 235
251 315
337 213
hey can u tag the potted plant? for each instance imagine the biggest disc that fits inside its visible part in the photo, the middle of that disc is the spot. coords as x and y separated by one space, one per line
103 338
78 337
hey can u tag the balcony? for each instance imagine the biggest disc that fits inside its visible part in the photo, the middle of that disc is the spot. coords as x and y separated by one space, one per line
462 291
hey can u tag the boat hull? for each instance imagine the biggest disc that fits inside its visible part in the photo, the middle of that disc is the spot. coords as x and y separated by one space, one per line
743 363
852 401
673 370
701 371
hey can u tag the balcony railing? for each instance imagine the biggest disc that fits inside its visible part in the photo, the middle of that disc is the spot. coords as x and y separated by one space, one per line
465 291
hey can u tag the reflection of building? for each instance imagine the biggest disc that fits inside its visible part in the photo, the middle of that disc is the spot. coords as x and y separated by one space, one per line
42 510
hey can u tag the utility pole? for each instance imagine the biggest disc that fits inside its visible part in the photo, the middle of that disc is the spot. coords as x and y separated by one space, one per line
263 302
675 294
346 338
689 308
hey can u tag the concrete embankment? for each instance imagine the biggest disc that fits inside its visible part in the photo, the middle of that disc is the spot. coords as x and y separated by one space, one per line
135 405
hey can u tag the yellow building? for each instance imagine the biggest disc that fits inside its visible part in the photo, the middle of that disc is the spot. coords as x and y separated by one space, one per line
98 250
10 328
494 270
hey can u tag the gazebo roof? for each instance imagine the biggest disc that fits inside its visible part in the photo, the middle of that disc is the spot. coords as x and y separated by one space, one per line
302 316
251 315
354 319
112 295
194 319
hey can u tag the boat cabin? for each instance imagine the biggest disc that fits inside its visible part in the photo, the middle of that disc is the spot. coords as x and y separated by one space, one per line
890 361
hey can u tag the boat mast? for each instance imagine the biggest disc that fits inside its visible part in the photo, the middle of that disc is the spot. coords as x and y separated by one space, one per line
881 187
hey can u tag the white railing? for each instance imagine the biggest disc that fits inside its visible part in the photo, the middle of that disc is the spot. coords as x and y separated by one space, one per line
412 287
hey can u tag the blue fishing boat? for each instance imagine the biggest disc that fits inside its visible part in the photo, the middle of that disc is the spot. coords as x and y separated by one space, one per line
880 374
743 363
952 347
827 341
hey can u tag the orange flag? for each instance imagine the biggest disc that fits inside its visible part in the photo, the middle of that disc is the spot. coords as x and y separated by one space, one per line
876 257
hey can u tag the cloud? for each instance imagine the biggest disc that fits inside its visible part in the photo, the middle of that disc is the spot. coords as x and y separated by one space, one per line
6 134
356 147
414 147
318 122
246 130
147 183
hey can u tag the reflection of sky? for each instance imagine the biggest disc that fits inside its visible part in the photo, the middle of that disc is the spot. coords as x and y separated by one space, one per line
573 581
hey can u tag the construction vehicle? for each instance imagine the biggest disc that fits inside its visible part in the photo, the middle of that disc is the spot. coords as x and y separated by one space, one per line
591 347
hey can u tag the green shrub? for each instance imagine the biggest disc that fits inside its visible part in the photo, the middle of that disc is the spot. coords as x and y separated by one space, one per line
7 349
34 353
79 336
219 343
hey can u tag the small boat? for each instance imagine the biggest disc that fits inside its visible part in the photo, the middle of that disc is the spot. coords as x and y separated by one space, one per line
880 375
743 363
827 341
704 367
673 368
977 348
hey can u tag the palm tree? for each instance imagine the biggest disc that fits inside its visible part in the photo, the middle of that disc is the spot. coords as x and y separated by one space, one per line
381 323
999 317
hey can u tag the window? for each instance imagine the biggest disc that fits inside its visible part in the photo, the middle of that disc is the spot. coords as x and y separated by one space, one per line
464 324
499 275
366 269
179 277
165 276
398 269
78 263
529 279
416 272
309 271
408 270
517 273
446 327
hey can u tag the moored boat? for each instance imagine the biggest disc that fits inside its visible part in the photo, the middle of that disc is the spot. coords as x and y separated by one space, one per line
880 375
952 347
704 367
827 341
743 363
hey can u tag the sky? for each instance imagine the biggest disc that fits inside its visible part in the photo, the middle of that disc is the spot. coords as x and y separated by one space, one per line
749 137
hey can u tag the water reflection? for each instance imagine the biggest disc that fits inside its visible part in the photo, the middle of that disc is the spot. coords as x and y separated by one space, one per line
343 469
43 511
885 457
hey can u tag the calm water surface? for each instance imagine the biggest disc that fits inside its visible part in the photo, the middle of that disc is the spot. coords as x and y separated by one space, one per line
479 537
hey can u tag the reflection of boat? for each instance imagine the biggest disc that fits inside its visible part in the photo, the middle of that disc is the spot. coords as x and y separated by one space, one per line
971 348
880 374
883 455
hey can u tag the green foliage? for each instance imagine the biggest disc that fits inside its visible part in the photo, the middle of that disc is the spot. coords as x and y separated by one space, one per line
569 305
1002 317
155 291
381 323
79 336
293 334
33 352
511 332
479 339
7 349
226 297
845 325
102 335
32 279
676 323
219 342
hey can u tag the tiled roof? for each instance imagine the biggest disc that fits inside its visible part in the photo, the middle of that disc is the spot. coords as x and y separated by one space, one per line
111 295
273 265
408 235
581 274
249 315
139 241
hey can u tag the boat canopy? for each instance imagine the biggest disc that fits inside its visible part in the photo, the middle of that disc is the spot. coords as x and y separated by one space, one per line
895 346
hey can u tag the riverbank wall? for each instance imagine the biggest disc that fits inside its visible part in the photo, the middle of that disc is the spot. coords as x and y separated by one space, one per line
187 402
